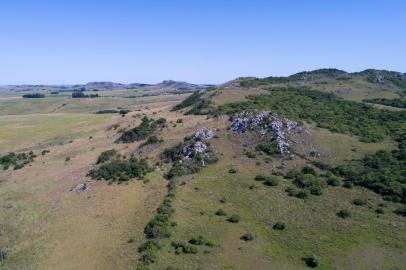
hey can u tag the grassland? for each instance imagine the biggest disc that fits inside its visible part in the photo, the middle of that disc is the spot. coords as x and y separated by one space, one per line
45 225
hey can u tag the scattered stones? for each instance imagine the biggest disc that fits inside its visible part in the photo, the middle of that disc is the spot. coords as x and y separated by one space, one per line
80 187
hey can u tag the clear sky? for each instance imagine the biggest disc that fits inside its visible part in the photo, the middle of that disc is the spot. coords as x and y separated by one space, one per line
200 41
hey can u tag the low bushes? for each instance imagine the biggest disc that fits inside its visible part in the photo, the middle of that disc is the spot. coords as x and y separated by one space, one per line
16 160
142 131
359 201
271 181
311 261
106 155
279 226
234 219
344 213
121 169
183 247
247 237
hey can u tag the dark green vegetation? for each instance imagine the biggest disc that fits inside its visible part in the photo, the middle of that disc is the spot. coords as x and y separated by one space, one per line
81 94
152 140
106 155
327 111
199 104
195 161
34 95
396 102
16 160
121 169
190 100
383 172
141 132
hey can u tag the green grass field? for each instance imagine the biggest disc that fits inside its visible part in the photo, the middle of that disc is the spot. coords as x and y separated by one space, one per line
24 131
312 226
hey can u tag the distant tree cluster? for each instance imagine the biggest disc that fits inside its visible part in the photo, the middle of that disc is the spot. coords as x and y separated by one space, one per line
396 102
81 94
34 95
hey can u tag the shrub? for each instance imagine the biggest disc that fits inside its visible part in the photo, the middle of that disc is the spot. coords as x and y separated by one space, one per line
344 213
250 154
234 219
148 258
401 211
302 194
34 95
152 140
260 177
334 181
268 148
200 240
348 184
232 170
106 155
247 237
316 190
143 130
150 245
121 170
220 212
279 226
184 247
380 211
67 159
359 201
311 261
291 191
309 170
271 181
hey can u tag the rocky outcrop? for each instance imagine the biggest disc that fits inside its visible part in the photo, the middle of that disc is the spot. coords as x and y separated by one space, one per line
265 122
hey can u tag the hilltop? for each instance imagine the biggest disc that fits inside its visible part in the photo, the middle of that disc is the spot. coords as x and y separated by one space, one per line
296 172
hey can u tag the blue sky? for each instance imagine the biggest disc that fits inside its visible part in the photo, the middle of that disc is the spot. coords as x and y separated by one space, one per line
51 42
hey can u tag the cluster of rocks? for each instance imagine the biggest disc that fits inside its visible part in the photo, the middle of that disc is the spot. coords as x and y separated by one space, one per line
198 145
80 187
265 122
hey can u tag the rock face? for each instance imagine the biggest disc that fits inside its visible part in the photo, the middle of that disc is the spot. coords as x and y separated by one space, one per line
198 145
265 122
80 187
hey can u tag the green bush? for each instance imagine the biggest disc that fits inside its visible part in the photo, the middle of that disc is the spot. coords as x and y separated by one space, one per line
344 213
359 201
106 155
279 226
121 170
247 237
220 212
380 211
401 211
150 245
234 219
182 247
309 170
232 170
142 131
311 261
260 177
334 181
268 148
271 181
